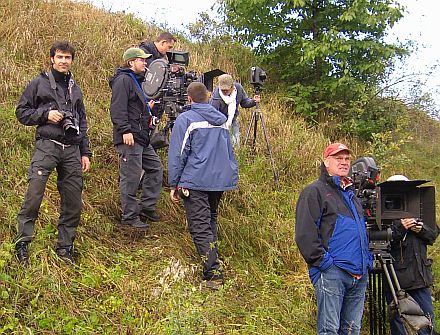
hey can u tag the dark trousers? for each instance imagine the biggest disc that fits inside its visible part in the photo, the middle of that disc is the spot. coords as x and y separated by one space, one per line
201 214
132 161
67 162
424 298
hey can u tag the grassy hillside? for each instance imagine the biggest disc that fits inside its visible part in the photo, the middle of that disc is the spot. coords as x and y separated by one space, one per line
129 283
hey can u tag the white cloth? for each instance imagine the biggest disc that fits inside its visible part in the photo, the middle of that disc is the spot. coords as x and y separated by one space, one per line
231 101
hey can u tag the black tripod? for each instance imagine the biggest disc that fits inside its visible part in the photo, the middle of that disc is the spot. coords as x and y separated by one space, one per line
404 305
257 115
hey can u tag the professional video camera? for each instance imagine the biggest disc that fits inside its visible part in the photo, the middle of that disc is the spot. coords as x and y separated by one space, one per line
391 200
383 203
167 82
257 78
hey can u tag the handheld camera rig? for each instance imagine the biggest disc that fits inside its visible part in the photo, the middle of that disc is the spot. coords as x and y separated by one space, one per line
167 83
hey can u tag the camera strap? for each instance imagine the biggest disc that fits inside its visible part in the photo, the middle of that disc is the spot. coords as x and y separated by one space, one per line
53 86
142 91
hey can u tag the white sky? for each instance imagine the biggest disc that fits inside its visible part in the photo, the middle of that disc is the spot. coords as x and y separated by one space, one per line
421 24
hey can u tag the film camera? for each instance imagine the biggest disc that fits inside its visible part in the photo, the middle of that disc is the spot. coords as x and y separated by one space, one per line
391 200
383 203
257 78
167 82
69 123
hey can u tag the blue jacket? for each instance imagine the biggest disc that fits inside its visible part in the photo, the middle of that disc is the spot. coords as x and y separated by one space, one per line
200 155
330 228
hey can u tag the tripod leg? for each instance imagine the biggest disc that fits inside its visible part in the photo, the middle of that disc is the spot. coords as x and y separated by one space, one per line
251 123
269 148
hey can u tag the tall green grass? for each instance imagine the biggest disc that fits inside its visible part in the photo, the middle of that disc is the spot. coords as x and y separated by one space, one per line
129 283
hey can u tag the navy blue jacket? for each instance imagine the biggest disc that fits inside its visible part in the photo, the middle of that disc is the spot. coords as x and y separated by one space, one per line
128 109
330 228
200 155
242 100
39 98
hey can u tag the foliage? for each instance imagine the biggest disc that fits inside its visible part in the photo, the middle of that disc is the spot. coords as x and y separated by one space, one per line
330 54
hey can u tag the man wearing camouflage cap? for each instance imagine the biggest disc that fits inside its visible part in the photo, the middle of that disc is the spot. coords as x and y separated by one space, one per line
131 117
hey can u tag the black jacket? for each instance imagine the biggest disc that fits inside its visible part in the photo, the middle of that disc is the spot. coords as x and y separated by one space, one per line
128 109
38 99
330 228
413 268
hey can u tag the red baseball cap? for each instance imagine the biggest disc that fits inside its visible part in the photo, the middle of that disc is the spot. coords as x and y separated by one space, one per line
335 148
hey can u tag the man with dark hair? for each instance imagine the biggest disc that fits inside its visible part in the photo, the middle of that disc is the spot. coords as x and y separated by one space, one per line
201 166
158 49
131 117
54 103
331 235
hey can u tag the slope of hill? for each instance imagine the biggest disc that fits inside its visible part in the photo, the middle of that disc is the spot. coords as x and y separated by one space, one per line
128 283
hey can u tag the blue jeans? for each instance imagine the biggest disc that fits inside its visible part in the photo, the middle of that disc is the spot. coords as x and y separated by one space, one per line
423 297
340 299
235 133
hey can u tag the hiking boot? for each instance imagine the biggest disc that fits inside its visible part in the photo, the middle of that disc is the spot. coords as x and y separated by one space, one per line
66 254
149 215
21 249
136 223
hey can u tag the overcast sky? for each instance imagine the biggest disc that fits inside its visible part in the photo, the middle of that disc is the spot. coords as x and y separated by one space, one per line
421 24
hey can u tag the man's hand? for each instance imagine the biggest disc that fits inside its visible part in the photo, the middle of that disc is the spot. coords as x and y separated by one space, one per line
128 139
85 162
257 98
412 224
55 116
174 195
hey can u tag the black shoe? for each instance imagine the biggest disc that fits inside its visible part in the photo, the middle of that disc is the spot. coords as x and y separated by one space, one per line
66 254
136 223
149 215
22 252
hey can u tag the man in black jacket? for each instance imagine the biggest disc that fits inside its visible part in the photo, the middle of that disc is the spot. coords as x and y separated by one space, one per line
158 49
54 103
131 117
413 268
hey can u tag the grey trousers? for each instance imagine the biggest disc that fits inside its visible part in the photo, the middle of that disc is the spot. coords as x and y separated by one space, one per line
67 162
201 214
132 160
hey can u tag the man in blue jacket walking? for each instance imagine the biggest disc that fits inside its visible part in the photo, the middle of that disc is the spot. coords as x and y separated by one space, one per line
201 165
330 233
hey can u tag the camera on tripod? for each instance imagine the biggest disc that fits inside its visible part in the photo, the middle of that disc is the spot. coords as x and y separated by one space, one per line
387 201
257 78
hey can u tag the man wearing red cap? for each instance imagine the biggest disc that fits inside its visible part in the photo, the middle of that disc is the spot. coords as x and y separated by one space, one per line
331 235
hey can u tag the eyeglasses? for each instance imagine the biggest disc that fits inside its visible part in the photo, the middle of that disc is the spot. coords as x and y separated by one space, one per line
341 159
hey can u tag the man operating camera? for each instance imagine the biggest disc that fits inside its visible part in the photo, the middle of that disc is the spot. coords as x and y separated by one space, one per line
413 268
